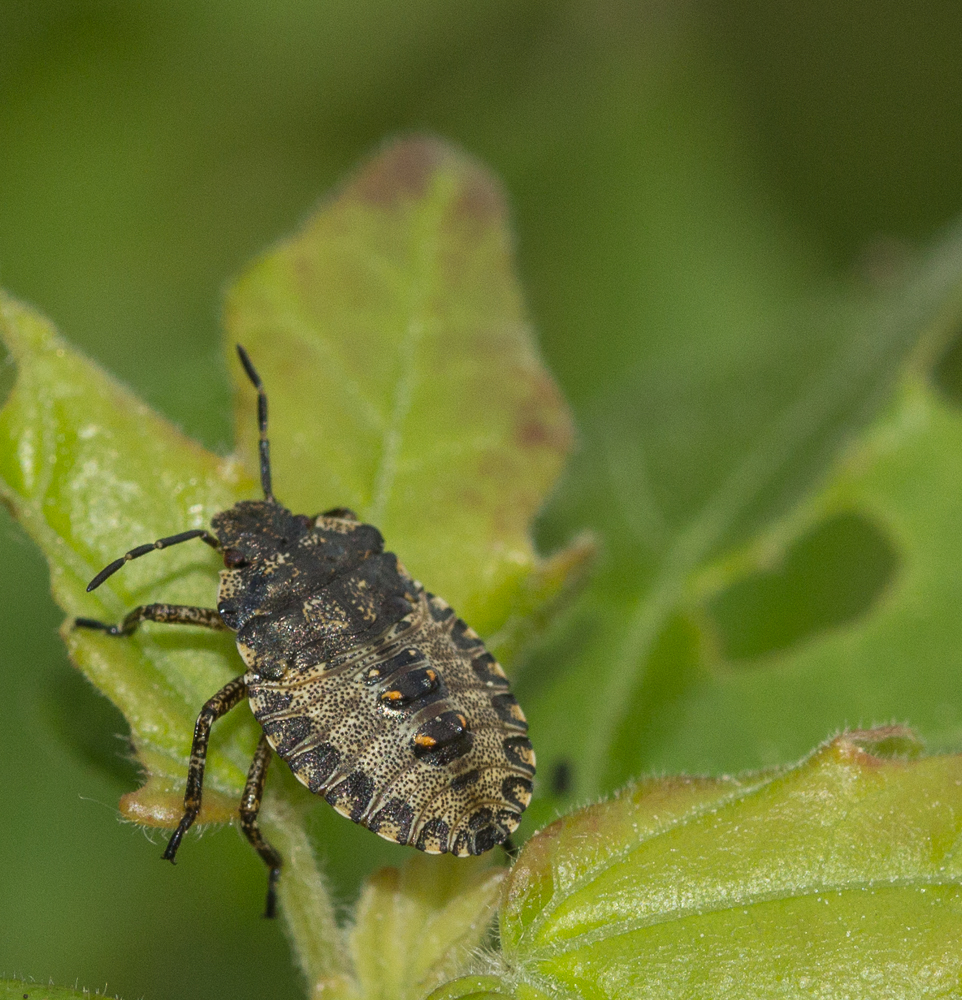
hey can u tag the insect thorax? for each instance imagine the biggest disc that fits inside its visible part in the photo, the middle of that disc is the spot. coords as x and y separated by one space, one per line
302 589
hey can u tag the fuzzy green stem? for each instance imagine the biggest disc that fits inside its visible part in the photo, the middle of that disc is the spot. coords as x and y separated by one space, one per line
316 940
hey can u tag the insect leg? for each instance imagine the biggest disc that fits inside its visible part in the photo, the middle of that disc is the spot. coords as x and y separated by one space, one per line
169 614
250 807
222 702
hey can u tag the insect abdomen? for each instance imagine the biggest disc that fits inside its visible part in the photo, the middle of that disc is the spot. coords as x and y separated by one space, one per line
415 735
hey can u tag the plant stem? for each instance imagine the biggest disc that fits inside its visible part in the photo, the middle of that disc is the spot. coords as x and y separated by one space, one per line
316 940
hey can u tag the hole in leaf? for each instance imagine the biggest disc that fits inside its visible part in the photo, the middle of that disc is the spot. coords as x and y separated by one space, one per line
828 578
947 371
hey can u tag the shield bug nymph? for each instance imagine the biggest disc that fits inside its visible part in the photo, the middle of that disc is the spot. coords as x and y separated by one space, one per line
374 692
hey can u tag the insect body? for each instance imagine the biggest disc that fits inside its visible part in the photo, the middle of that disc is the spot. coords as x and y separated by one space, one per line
375 693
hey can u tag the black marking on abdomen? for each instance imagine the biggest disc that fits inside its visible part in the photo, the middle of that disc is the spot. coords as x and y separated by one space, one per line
285 734
506 705
398 813
435 828
422 684
317 765
518 750
464 780
443 739
516 791
463 636
357 789
440 610
270 701
486 838
406 658
479 835
482 666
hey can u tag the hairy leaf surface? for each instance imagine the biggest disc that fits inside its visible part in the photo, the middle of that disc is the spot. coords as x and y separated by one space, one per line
839 877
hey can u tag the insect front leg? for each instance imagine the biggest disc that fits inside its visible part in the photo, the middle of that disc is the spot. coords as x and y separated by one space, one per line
250 807
222 702
168 614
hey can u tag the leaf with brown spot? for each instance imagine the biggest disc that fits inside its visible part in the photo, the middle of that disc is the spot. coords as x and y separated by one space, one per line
393 318
403 381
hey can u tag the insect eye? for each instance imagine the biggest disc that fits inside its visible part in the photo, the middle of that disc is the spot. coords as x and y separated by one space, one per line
234 559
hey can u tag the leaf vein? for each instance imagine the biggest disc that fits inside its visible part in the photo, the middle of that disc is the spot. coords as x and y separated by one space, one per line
613 929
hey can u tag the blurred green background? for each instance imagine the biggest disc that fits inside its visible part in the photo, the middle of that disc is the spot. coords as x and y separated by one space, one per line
671 167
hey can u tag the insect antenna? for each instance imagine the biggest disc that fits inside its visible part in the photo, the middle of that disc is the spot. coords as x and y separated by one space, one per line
265 448
142 550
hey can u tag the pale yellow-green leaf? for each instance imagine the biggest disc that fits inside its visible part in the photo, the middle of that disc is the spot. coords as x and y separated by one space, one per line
404 379
415 926
839 877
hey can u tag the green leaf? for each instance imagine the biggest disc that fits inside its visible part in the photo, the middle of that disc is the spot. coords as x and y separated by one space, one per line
901 656
414 927
470 988
410 387
403 381
841 876
696 473
16 989
89 471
